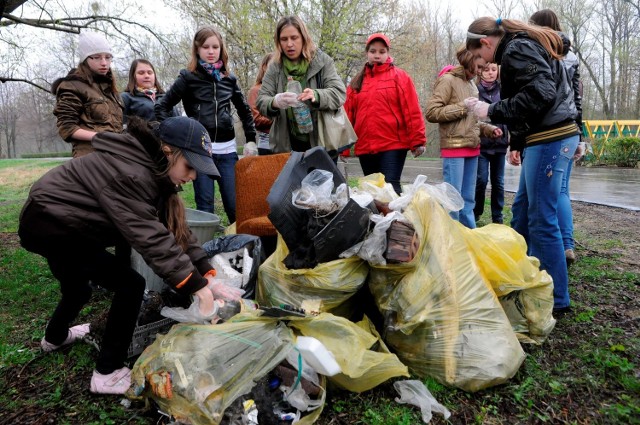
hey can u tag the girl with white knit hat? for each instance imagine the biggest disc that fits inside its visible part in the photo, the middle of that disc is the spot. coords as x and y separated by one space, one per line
87 100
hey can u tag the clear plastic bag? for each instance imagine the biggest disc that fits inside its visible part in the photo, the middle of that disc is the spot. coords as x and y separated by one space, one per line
315 192
417 394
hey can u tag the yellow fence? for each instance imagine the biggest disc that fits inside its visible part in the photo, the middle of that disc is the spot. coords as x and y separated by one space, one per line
606 129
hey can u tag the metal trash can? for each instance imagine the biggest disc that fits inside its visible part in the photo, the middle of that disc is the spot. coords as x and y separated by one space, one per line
202 224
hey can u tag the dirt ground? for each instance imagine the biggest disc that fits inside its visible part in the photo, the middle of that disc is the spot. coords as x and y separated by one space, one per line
608 232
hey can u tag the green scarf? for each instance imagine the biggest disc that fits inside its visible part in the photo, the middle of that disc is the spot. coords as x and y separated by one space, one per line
298 71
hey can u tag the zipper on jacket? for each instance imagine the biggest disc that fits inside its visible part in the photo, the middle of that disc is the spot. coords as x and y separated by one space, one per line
215 102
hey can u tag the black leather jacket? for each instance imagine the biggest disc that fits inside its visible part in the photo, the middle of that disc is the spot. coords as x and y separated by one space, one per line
209 102
536 93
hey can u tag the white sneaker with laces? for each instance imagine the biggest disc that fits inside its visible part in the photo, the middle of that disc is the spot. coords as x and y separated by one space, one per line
75 333
117 382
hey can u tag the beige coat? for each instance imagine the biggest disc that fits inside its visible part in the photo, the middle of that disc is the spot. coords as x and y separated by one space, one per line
458 127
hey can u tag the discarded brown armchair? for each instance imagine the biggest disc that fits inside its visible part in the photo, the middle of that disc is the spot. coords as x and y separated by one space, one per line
254 177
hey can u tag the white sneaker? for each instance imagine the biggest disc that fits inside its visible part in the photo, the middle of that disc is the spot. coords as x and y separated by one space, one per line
117 382
75 333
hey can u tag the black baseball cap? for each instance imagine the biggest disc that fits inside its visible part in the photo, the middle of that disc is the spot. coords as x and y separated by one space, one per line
193 140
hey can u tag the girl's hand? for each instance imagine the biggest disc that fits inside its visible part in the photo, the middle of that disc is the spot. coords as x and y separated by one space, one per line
513 158
497 133
307 94
205 301
417 151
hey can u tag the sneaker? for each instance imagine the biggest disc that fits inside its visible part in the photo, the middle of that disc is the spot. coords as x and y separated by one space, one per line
117 382
561 311
570 255
75 333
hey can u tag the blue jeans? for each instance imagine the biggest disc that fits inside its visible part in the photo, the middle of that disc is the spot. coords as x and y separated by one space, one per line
462 173
203 186
490 164
389 163
565 213
535 209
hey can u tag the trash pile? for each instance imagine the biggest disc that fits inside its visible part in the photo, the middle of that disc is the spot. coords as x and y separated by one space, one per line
455 303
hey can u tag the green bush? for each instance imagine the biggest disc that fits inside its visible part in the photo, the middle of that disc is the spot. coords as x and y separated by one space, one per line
619 152
47 155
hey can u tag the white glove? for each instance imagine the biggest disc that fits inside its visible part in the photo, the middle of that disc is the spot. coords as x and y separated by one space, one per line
470 103
250 149
580 151
285 100
223 291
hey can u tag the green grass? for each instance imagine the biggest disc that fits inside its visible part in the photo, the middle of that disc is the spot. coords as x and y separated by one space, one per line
592 352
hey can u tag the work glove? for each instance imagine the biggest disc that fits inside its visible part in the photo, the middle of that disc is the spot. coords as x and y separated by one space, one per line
478 108
250 149
580 151
285 100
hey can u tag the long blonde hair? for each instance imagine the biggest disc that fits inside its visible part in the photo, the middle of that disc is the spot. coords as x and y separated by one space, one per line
491 27
176 217
308 46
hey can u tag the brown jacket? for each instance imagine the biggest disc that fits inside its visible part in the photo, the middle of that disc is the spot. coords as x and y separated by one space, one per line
86 102
116 193
458 128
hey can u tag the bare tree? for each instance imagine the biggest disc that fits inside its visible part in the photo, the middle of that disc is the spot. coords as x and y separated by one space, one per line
9 113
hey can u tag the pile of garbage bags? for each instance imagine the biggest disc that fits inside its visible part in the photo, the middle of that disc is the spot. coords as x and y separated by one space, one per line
455 303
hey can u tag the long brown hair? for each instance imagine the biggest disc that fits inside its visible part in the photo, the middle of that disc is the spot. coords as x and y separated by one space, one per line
263 67
85 71
198 40
176 217
546 18
308 46
491 27
131 85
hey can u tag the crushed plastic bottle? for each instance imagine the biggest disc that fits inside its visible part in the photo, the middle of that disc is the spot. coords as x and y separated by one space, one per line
301 111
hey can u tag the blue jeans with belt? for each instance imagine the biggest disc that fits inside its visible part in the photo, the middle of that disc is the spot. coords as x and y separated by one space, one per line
203 186
462 173
535 209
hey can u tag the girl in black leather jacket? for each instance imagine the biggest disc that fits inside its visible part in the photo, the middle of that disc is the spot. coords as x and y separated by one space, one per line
537 104
207 89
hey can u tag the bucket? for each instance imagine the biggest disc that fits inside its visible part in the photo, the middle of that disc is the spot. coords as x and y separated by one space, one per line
202 224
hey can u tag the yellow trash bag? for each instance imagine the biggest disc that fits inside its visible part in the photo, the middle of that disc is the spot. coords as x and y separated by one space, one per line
365 360
195 372
443 318
525 291
325 288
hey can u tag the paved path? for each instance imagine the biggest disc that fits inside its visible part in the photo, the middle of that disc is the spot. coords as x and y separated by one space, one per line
616 187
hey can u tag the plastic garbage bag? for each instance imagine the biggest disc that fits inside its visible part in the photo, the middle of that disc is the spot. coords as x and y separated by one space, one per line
193 314
364 359
209 366
525 291
324 288
417 394
373 247
442 316
315 192
447 195
246 266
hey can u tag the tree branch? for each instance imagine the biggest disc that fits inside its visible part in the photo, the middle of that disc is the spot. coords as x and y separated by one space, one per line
22 80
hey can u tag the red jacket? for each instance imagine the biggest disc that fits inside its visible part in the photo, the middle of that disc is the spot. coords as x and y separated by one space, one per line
385 114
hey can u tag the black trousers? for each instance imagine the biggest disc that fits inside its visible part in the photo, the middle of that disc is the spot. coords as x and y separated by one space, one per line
75 260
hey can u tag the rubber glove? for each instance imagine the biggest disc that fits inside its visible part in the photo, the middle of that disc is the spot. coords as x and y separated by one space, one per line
285 100
220 290
205 302
250 149
470 103
481 110
417 151
580 150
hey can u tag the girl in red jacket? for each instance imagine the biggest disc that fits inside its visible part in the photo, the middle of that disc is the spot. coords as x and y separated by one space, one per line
382 104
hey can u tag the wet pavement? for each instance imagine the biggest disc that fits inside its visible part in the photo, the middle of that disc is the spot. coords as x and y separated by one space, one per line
615 187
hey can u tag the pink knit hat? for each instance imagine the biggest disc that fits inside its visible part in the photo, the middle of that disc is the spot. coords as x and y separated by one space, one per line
445 70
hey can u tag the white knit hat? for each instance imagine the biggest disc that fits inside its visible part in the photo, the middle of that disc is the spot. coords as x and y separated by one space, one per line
92 43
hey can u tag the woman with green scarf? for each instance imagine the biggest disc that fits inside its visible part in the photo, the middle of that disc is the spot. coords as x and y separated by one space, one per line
296 56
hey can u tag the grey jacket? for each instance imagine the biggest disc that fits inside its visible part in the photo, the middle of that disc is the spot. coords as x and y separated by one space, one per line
331 96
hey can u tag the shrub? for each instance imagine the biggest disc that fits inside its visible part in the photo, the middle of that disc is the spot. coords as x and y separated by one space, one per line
619 152
46 155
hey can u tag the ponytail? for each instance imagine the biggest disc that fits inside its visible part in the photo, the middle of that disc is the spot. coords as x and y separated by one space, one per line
356 82
487 26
